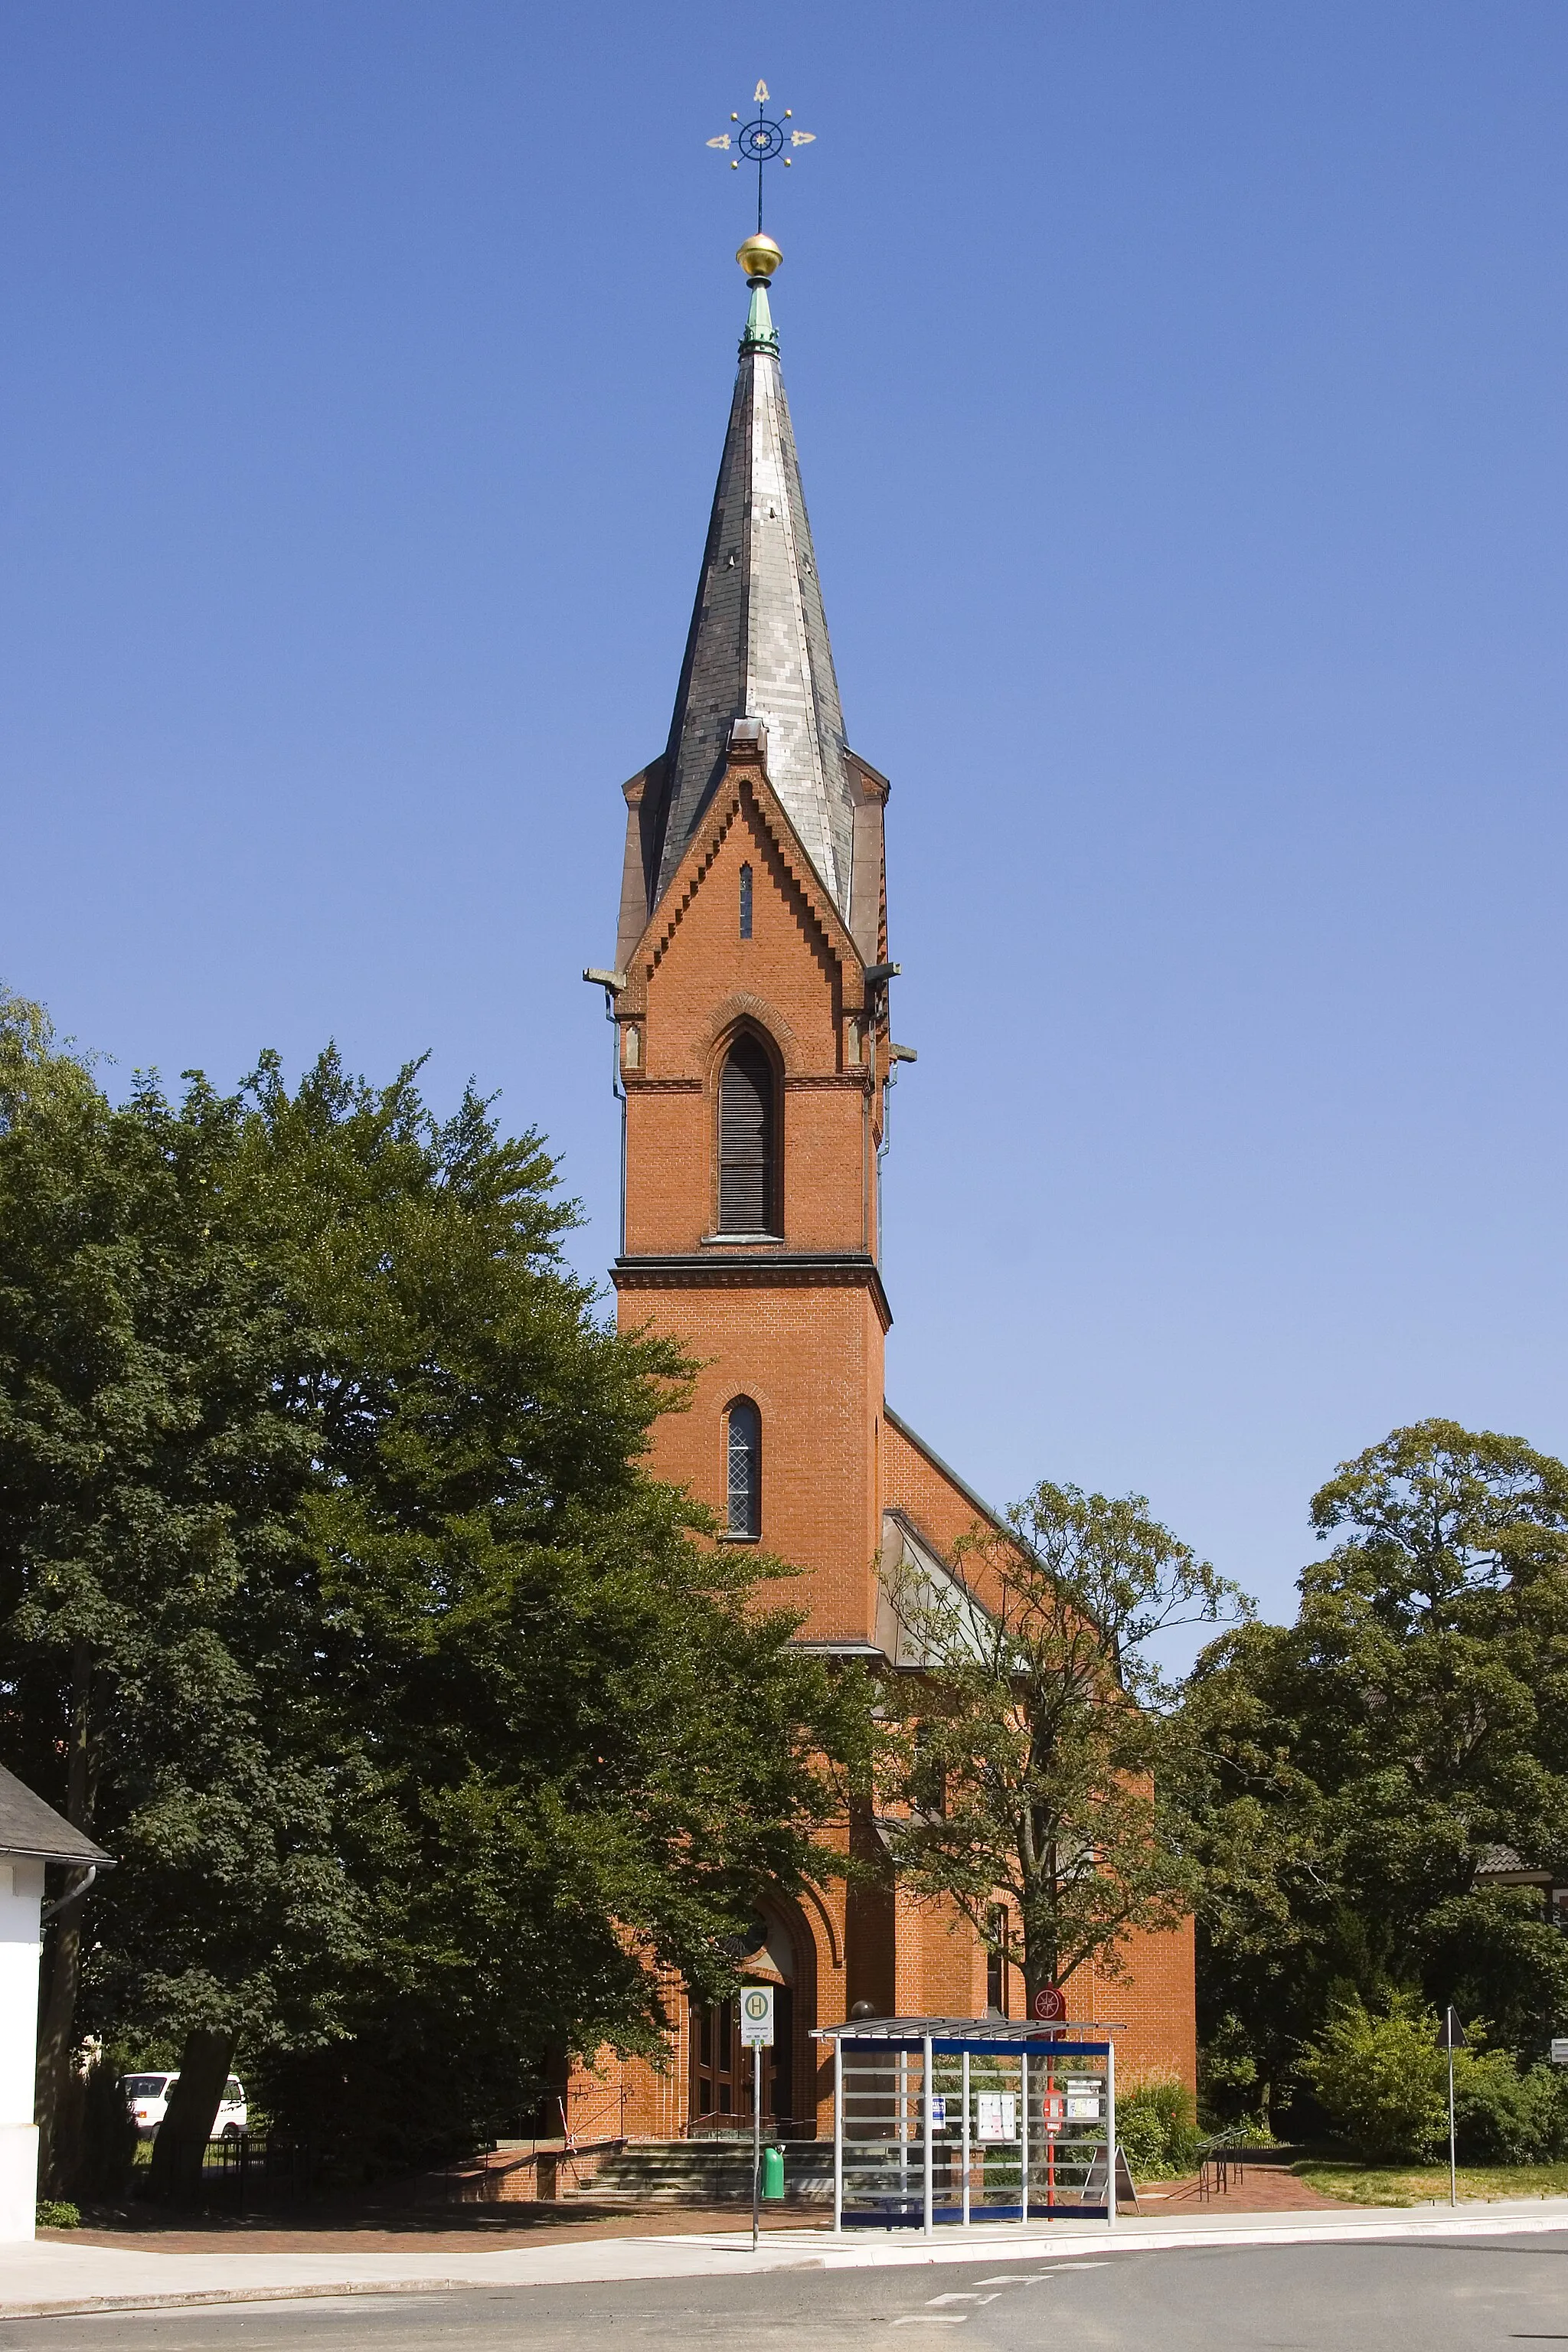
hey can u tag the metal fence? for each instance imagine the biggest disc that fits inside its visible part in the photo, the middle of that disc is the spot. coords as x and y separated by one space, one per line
252 2169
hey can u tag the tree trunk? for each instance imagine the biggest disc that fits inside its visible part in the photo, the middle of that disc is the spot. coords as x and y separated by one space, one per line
174 2174
1042 1955
56 2016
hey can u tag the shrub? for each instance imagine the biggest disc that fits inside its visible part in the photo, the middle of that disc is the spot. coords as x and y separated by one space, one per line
1142 2141
1502 2117
1156 2124
1382 2081
56 2213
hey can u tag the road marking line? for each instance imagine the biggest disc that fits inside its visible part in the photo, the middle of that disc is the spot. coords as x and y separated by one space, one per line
932 2319
932 2299
1014 2278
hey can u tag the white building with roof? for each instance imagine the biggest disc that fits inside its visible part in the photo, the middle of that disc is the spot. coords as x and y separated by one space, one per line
32 1836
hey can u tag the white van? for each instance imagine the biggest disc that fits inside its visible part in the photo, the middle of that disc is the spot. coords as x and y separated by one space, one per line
149 2099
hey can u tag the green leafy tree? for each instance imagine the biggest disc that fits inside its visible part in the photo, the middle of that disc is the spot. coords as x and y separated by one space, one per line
583 1742
1026 1783
1352 1773
156 1626
432 1736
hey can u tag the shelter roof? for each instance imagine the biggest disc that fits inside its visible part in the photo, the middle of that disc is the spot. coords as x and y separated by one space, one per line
958 2028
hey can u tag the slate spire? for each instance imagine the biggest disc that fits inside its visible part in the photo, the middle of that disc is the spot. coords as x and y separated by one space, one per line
758 644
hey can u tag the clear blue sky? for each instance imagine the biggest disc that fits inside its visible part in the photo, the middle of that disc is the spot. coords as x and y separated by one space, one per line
1180 391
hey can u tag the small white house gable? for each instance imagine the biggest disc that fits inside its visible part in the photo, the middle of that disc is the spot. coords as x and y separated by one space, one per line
32 1836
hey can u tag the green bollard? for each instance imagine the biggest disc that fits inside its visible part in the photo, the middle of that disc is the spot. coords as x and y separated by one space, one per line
773 2172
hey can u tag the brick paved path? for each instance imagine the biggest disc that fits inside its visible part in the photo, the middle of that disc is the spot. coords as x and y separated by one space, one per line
1261 2188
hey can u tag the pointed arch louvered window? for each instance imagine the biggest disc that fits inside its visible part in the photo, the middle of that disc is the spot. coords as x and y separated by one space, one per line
743 1440
747 1142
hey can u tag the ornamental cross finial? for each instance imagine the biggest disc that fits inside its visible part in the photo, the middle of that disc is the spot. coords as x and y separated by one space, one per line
761 140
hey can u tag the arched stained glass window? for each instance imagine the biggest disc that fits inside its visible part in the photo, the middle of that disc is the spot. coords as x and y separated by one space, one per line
744 1446
746 1143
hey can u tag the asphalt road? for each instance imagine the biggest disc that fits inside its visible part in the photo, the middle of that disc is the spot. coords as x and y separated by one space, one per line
1407 2295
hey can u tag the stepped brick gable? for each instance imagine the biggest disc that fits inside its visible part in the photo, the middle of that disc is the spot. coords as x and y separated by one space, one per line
751 994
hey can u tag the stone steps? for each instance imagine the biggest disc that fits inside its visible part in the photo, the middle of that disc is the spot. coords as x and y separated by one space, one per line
694 2172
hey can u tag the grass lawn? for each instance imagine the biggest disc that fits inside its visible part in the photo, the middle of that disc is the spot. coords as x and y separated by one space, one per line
1423 2184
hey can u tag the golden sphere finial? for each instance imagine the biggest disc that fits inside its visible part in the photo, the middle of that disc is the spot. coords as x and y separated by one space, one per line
758 256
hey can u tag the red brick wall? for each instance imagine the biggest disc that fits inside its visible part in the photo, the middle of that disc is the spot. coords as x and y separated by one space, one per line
655 2104
810 1361
810 1353
810 1356
1155 1997
798 979
913 1483
1156 2000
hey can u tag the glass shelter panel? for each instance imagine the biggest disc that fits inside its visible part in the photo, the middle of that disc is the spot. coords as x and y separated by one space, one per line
1016 2132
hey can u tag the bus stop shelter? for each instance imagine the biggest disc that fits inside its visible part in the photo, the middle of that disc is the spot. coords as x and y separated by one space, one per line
966 2120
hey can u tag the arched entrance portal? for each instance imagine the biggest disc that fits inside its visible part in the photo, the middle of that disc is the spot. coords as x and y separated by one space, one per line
721 2070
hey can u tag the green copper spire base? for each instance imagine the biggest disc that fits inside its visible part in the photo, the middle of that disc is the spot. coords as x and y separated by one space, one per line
760 335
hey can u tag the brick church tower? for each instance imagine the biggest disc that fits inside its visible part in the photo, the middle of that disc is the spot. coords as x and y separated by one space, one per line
751 996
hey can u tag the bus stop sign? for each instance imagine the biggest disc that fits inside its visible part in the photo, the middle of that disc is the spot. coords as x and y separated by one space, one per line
757 2018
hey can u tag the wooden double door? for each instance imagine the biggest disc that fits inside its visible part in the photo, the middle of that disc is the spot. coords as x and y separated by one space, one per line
721 2070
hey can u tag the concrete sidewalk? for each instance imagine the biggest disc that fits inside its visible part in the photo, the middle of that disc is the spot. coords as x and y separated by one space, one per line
56 2276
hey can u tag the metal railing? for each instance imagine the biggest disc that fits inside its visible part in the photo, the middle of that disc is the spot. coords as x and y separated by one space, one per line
1218 2156
260 2167
739 2128
593 2111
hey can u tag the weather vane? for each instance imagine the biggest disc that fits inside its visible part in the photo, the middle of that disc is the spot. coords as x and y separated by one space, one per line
762 141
